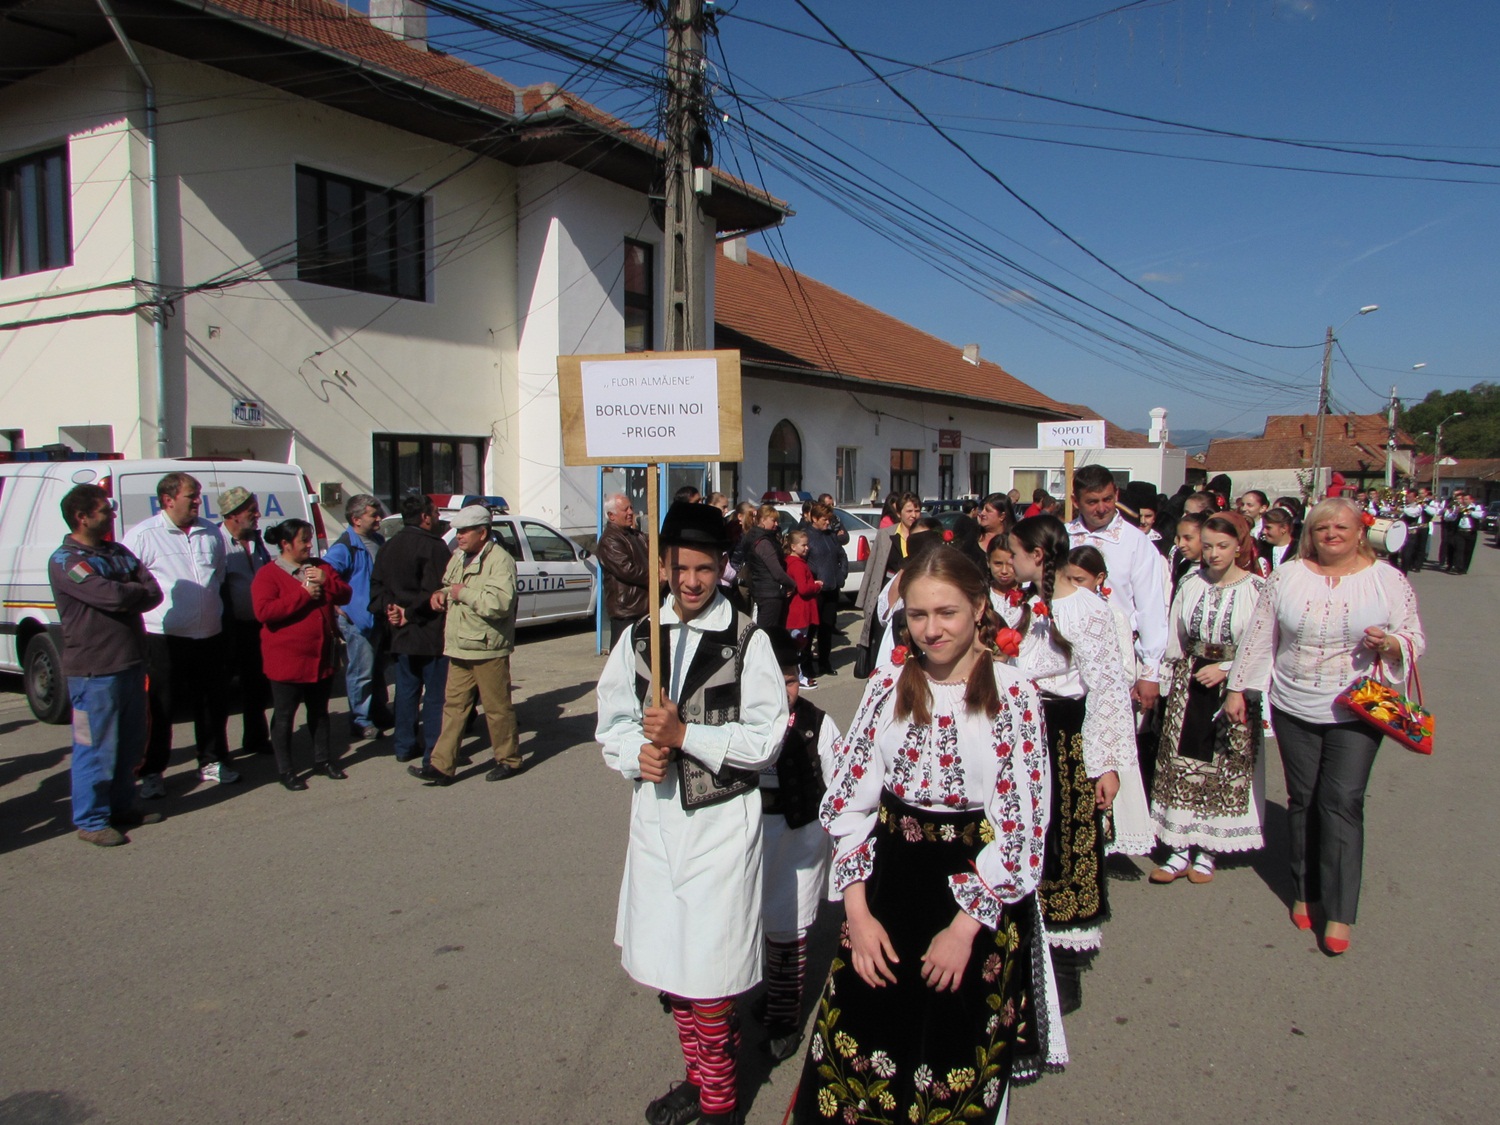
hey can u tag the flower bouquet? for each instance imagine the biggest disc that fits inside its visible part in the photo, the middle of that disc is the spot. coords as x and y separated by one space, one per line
1390 712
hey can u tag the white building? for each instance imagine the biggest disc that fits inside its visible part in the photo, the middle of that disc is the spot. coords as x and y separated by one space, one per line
371 253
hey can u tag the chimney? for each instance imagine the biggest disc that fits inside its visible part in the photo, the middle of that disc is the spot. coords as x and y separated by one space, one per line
405 20
736 250
971 354
1158 435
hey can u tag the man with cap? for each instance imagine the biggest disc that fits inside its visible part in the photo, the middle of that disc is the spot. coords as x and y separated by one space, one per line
479 597
689 919
245 553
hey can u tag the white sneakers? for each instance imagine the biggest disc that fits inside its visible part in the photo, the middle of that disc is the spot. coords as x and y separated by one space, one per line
214 771
152 786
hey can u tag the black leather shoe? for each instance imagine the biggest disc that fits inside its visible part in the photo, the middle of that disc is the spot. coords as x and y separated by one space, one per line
330 770
783 1041
293 782
430 775
679 1105
501 772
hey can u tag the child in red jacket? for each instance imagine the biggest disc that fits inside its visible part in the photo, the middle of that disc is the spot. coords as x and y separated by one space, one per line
802 614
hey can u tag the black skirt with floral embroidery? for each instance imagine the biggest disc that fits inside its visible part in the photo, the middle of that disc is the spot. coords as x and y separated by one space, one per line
906 1052
1073 891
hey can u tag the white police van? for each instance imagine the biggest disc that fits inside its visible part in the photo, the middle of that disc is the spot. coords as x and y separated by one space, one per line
32 485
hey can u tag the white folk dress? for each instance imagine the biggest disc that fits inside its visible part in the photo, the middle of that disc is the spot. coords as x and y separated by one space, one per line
689 920
1217 804
796 860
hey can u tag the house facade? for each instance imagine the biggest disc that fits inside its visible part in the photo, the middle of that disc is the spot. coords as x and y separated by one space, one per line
1280 461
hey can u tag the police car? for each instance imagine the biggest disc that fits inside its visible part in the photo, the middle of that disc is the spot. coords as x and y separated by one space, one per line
556 579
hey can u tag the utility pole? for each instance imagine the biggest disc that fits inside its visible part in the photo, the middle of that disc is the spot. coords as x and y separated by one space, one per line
1390 441
1317 473
689 150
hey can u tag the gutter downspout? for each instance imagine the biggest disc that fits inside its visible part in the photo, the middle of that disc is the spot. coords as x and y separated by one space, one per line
159 312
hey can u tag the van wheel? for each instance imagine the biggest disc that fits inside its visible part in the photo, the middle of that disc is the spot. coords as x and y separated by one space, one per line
46 686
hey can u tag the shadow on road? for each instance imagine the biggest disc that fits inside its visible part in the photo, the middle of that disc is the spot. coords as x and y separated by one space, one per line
43 812
44 1107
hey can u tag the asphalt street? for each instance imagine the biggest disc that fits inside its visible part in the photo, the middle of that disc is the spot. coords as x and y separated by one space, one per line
378 951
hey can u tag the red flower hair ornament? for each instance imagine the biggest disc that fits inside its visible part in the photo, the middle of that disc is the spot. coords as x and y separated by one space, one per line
947 535
898 654
1367 519
1015 597
1008 642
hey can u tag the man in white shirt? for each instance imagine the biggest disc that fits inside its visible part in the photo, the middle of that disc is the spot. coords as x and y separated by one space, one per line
1137 574
185 654
689 921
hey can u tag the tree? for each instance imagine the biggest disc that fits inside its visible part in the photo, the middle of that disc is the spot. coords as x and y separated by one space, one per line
1476 434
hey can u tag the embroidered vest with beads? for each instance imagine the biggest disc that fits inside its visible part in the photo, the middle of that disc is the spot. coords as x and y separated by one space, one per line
799 770
710 696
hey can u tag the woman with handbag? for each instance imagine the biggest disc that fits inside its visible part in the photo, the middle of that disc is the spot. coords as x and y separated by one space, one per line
1335 614
1209 793
295 600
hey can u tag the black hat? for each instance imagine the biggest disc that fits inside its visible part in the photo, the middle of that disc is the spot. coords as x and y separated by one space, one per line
694 525
1139 494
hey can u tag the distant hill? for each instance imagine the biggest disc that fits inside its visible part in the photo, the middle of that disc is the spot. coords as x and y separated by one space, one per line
1196 441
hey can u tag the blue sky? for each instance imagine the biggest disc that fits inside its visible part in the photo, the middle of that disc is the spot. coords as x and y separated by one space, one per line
1269 254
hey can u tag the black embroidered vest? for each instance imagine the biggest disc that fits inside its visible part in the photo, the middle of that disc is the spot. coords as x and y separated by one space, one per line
710 695
799 769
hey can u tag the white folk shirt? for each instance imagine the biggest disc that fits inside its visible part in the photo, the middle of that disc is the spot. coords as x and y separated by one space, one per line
689 919
188 564
1139 583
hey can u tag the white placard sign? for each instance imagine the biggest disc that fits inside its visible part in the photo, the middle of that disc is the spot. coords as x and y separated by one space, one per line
633 409
1083 434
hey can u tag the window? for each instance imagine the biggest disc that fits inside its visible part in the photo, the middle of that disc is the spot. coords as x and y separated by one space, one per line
640 297
35 230
784 458
846 482
1027 481
504 533
546 545
407 463
979 474
905 470
945 476
358 236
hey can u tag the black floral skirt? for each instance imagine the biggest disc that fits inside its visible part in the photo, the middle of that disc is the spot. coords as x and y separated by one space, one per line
1073 888
906 1052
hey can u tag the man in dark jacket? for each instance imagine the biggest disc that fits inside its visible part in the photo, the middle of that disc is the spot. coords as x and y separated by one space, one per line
408 571
101 590
622 557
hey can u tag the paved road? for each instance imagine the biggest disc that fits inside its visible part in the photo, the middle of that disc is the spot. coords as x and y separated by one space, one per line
377 951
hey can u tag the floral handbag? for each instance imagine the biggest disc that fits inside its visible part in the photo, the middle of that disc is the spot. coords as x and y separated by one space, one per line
1390 712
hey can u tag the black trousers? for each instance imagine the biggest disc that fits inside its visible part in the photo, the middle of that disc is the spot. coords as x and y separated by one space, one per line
1447 546
828 612
255 689
286 697
770 613
194 670
1463 551
1414 553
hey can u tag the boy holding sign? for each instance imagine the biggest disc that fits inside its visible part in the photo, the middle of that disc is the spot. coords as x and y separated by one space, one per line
689 921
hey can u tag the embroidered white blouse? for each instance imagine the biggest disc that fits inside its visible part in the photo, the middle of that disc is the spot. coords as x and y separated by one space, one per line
1308 632
961 760
1138 574
1213 614
1094 673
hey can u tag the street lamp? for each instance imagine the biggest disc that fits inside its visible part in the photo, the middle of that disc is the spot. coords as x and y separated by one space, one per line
1437 449
1317 473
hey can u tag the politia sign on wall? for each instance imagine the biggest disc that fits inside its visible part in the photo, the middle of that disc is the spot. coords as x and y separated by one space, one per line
650 407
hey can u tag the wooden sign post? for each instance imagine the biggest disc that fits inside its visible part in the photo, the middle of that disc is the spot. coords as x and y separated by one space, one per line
1069 436
656 407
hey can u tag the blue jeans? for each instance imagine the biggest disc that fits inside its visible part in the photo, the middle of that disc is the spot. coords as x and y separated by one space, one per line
359 674
109 737
421 685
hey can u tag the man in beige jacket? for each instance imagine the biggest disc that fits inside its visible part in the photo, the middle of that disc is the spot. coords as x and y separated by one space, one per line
479 598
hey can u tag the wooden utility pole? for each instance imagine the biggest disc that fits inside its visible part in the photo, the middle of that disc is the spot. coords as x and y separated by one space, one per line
688 151
1317 473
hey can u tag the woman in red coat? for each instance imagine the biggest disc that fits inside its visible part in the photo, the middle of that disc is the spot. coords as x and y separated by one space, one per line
802 614
294 600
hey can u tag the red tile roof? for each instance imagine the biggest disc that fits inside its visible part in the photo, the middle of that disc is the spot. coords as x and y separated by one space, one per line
781 319
1352 443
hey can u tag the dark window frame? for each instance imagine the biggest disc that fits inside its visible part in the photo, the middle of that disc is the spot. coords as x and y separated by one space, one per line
386 478
906 471
979 473
359 236
640 304
36 220
785 475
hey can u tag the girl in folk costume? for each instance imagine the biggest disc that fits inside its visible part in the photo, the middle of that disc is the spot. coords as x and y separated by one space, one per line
795 850
802 611
1209 793
1070 650
1006 595
938 807
1188 551
1134 833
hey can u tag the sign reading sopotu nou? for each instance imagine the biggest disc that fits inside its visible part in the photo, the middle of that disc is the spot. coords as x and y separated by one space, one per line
651 407
1083 434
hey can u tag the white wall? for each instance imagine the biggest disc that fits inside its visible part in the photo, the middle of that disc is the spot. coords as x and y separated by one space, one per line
828 418
1163 467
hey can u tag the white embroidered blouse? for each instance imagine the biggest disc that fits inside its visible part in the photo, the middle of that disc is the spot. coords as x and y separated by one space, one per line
961 760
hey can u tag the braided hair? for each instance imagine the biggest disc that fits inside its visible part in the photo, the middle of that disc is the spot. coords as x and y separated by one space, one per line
1050 535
